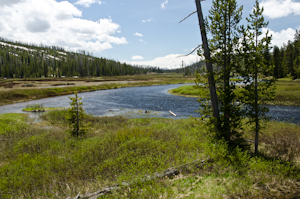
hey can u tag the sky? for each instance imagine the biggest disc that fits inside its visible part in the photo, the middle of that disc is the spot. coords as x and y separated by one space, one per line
141 32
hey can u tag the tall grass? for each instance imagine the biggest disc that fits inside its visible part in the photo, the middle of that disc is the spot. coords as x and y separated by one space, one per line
41 160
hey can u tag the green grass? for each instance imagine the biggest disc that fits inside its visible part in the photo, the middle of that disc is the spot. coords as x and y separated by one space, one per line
40 108
188 90
116 149
287 92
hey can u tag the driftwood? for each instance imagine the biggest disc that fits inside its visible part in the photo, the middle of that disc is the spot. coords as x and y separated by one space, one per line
173 114
170 173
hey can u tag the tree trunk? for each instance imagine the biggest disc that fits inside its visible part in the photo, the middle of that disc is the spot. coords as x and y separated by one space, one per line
211 80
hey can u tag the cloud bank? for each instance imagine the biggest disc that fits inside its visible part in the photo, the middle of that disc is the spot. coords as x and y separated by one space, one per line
87 3
170 61
279 38
280 8
56 23
136 57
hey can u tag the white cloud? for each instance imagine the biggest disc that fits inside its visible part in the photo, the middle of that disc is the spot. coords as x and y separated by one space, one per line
163 5
280 8
278 38
142 41
147 20
87 3
57 23
138 34
137 57
169 61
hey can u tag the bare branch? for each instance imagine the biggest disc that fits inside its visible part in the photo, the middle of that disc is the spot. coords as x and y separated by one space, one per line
188 16
190 52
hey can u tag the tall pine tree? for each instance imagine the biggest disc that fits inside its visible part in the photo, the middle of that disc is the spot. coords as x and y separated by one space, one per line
223 25
257 90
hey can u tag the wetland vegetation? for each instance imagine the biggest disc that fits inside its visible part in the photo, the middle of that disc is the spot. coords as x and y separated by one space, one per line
117 149
287 92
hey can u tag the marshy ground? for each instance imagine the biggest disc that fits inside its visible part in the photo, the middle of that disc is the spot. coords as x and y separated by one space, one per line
117 149
40 159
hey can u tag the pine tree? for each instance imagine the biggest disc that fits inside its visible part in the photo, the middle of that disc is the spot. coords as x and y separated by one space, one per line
276 61
257 90
223 24
75 116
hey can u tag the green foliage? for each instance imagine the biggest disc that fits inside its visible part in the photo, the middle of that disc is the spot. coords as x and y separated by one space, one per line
43 61
258 89
34 108
115 149
11 123
75 117
189 90
287 92
224 18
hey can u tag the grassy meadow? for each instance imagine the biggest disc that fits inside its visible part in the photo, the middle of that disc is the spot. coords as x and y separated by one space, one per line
287 92
42 160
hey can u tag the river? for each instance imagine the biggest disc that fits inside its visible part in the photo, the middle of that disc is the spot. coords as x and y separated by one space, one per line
134 101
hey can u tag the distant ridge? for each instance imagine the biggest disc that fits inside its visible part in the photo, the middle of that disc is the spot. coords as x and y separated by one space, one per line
22 60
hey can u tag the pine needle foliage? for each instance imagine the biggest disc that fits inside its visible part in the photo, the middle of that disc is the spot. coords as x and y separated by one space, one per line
75 116
258 88
223 25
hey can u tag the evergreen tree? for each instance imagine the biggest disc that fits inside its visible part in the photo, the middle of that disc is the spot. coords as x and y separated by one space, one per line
223 24
75 116
276 61
257 90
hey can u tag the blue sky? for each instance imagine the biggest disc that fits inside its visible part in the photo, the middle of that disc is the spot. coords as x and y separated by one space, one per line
140 32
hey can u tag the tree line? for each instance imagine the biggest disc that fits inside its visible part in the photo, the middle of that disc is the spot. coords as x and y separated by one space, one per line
286 60
24 61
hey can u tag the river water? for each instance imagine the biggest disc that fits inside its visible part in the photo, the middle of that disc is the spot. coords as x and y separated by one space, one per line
133 102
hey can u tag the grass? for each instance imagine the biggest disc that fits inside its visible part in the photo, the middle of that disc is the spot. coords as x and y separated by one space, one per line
188 91
40 108
287 92
116 149
9 94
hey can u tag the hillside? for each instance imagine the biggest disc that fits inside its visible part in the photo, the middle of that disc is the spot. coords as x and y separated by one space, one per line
21 60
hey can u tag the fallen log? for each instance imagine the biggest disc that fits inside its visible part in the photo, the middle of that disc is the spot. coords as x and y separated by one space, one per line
173 114
170 173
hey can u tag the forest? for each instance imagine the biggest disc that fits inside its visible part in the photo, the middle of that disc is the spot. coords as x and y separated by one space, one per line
21 60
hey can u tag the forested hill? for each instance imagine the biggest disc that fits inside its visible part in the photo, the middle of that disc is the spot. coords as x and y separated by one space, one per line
19 60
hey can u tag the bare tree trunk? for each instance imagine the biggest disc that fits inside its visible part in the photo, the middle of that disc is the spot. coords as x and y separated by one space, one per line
256 99
77 110
211 79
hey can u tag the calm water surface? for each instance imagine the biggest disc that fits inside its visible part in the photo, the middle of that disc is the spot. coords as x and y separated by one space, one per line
133 102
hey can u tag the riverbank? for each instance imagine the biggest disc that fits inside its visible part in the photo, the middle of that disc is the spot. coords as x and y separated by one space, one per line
116 149
287 92
18 90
